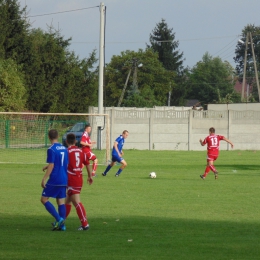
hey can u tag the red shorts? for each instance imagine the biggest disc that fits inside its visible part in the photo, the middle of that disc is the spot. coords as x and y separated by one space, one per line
89 156
212 157
73 190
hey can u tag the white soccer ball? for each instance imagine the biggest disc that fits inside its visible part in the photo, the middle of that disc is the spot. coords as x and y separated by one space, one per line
152 175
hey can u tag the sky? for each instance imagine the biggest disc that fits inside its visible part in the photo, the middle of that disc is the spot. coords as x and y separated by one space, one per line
200 26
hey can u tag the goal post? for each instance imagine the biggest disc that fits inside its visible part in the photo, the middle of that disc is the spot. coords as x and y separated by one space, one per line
24 135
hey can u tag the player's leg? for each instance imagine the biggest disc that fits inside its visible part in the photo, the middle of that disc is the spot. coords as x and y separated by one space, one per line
212 167
53 192
123 165
94 167
50 208
68 203
81 212
62 212
92 157
207 169
109 167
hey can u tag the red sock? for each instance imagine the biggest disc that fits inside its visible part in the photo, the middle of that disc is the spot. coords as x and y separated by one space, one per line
94 167
68 208
213 168
82 214
206 171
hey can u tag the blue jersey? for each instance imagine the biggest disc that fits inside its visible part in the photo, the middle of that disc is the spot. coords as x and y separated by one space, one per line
58 154
120 143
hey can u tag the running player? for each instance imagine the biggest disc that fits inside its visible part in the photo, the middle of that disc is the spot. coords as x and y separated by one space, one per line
212 141
86 148
117 154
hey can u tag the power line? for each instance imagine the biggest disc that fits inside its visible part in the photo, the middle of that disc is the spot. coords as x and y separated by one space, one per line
225 47
75 10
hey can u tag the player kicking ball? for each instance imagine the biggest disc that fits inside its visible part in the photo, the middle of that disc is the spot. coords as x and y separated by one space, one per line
212 141
75 181
117 154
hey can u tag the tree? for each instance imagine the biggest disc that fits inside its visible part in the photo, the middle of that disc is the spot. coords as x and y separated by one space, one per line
212 80
12 90
162 40
240 55
58 81
13 31
153 80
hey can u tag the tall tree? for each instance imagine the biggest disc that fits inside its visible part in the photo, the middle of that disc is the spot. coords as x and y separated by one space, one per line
212 81
162 40
57 79
240 56
13 31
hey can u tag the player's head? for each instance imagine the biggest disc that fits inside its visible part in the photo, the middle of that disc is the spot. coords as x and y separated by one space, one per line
53 134
71 139
212 130
125 134
88 128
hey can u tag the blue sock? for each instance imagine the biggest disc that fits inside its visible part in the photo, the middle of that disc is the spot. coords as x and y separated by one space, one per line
51 209
107 169
119 171
62 211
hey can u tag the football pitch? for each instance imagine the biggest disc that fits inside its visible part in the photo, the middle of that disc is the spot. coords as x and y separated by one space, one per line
175 216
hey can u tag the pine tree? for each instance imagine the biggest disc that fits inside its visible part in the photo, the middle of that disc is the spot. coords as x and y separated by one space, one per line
163 42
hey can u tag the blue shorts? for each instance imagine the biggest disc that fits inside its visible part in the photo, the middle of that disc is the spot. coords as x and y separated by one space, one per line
116 158
57 192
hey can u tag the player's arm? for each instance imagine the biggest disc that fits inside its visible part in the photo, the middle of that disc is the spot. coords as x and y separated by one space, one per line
228 141
201 142
85 144
116 148
48 169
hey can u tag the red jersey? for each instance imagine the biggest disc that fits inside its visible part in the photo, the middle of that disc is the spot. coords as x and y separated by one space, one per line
76 160
86 139
212 142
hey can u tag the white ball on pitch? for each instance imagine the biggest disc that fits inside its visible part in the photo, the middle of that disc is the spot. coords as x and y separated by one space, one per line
152 175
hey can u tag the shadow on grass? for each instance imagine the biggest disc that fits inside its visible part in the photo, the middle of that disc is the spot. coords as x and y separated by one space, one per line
143 237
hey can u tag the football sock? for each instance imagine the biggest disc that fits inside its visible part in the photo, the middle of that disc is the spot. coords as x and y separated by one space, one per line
68 209
94 167
212 168
119 171
107 169
207 170
51 209
62 211
82 214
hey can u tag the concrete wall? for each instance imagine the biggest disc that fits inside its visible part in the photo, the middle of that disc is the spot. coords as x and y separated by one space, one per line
173 129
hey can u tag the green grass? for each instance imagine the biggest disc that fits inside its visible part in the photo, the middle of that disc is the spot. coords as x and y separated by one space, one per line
175 216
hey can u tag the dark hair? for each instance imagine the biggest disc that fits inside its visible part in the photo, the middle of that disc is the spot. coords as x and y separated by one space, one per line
53 134
87 126
212 130
71 139
125 131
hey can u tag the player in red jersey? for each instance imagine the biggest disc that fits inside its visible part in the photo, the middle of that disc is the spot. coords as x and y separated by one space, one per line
212 141
86 148
75 181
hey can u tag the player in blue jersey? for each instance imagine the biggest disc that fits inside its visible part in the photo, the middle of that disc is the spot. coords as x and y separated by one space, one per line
56 173
117 154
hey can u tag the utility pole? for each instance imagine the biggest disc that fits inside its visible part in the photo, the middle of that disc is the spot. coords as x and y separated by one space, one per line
134 66
123 91
244 75
101 59
256 73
